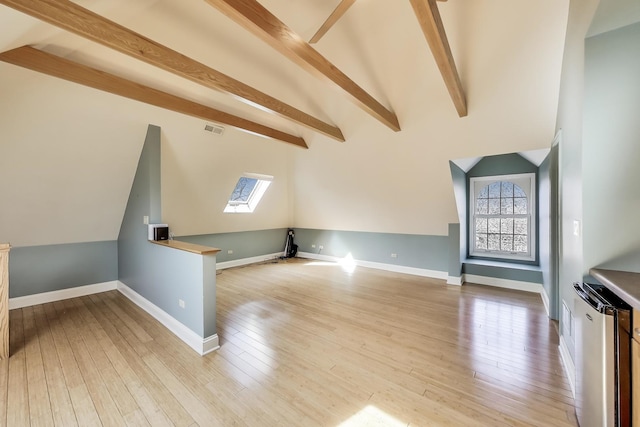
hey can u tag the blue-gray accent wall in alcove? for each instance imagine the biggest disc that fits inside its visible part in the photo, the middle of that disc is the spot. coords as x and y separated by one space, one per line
504 164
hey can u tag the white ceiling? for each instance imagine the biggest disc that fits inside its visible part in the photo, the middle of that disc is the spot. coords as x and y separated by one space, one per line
73 150
614 14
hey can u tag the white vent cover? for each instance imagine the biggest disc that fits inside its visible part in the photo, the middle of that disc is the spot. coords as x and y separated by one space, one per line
214 129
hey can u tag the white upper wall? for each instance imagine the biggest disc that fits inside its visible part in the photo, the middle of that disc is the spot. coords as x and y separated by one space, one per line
66 160
68 153
509 55
200 170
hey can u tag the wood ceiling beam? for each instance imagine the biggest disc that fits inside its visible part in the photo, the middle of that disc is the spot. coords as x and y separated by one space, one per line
337 13
78 20
332 19
252 16
429 17
52 65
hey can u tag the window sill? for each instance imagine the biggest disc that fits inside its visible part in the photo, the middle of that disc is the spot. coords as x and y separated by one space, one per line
502 270
502 264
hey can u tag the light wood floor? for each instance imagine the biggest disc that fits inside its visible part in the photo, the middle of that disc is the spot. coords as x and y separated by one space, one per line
303 343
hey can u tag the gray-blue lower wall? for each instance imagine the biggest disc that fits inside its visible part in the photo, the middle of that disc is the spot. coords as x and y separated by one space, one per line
244 244
39 269
412 250
520 273
436 253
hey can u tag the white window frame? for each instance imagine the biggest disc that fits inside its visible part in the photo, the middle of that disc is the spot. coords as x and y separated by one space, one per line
527 181
254 198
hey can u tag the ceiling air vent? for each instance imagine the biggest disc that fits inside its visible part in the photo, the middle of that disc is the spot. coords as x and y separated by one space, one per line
214 129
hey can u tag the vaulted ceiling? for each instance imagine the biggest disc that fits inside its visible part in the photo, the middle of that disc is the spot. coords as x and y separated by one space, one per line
396 104
251 16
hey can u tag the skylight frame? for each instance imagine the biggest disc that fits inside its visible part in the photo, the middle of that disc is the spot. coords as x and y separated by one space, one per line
249 205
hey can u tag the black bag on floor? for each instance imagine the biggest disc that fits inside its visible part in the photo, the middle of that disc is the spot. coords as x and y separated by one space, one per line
290 248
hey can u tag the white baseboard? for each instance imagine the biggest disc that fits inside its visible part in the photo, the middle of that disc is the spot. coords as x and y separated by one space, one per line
455 280
62 294
247 261
567 362
545 301
504 283
435 274
193 340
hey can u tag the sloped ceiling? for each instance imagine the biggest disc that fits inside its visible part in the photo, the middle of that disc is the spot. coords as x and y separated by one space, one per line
68 153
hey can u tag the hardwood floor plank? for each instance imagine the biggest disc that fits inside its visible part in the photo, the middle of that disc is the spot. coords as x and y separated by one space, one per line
39 407
200 413
61 406
302 343
102 400
121 369
18 395
4 389
150 384
83 407
91 336
277 401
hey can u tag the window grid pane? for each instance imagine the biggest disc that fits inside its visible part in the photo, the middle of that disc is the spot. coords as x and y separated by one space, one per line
501 219
243 190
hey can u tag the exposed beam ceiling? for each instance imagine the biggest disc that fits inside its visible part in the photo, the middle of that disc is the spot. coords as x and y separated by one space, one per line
337 13
332 19
76 19
255 18
429 17
56 66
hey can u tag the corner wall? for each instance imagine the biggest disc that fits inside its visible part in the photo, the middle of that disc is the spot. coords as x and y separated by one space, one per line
159 274
569 122
611 150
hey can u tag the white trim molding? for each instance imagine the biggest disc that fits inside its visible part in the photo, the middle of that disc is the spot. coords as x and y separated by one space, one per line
201 345
247 261
545 301
455 280
567 362
434 274
62 294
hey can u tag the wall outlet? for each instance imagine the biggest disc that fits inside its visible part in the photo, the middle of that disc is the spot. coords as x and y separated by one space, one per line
230 251
320 247
394 255
576 227
145 220
181 303
313 246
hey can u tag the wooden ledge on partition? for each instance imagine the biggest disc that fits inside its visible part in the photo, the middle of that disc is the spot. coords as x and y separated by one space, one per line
185 246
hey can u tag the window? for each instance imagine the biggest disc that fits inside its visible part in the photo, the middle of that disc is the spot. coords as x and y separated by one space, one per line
502 212
247 193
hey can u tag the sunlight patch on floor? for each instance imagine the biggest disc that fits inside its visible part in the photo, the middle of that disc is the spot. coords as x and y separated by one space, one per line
322 264
347 263
370 416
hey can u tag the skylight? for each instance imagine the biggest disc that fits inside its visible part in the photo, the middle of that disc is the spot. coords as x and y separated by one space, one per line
247 193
